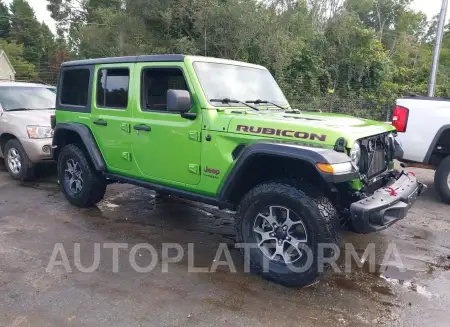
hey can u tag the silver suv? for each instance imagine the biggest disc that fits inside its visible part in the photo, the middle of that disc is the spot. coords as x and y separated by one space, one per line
25 132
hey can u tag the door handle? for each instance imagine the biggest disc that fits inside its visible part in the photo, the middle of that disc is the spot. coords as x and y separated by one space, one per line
143 128
101 122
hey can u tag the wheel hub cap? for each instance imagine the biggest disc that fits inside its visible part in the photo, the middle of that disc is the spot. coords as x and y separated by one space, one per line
14 161
280 234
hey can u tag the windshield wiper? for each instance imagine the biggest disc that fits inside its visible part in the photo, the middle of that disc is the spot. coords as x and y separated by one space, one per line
266 102
227 100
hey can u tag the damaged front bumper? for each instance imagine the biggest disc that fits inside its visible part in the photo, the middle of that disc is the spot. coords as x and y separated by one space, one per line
387 205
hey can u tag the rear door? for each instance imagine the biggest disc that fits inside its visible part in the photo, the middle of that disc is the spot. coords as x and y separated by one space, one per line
111 114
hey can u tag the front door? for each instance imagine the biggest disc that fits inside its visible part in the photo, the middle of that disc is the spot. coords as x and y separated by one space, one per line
166 147
111 114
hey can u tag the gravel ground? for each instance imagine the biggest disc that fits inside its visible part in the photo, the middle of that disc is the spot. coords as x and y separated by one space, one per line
35 216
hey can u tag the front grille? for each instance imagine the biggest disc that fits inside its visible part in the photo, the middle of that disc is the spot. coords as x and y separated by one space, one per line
375 153
377 163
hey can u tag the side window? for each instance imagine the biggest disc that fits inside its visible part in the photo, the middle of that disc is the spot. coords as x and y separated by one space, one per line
154 85
75 87
112 87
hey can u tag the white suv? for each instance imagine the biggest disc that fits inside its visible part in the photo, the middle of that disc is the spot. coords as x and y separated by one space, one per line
25 132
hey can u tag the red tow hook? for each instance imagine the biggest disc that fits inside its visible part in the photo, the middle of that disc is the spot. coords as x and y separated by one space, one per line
392 192
411 173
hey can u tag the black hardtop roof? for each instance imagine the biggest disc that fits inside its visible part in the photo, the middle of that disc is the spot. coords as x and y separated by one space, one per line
116 60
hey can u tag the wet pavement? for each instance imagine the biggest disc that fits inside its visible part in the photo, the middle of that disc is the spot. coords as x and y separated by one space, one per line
35 216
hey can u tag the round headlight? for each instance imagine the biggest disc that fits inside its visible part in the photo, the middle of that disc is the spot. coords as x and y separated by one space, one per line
355 153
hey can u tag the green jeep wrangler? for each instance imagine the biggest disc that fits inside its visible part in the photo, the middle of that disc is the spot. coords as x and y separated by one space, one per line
221 132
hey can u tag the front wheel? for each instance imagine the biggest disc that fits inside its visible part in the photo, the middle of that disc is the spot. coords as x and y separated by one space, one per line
284 224
442 180
17 162
81 184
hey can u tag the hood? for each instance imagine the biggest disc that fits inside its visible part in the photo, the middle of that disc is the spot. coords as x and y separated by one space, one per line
319 128
30 117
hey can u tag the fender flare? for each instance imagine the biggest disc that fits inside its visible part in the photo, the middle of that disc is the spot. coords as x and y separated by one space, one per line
86 137
309 155
434 143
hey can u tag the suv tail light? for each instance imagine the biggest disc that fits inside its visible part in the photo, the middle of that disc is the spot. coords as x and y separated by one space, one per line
400 118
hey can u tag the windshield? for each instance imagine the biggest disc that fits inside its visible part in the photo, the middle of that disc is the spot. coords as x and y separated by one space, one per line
26 98
243 83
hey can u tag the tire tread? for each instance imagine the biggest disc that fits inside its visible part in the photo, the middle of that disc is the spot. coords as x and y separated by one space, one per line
28 172
440 180
92 180
328 222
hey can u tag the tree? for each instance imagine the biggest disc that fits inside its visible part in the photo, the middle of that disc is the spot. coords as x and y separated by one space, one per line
24 69
325 54
49 55
26 30
5 21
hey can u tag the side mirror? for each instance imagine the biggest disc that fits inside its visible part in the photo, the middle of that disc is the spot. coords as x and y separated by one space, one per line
178 101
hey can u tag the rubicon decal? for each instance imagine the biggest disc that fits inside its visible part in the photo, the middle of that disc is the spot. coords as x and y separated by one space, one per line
281 132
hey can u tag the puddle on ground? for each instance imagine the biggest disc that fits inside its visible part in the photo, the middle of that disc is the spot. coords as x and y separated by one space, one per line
345 283
383 290
408 280
397 273
376 282
107 205
411 285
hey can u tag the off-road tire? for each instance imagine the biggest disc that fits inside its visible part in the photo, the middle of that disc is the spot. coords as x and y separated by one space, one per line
441 180
27 170
94 185
317 213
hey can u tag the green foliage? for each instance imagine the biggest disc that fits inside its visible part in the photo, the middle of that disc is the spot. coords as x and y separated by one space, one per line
31 47
26 30
353 56
24 69
5 23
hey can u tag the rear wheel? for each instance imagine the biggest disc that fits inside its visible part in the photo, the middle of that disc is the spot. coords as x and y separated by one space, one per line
285 225
80 183
442 180
17 162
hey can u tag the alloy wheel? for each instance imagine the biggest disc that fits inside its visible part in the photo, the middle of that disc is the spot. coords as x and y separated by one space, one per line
73 176
14 161
280 234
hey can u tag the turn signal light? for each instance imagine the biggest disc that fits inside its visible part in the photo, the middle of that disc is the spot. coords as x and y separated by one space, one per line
325 168
336 169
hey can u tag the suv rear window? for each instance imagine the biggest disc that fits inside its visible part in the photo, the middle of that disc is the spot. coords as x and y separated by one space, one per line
75 87
112 88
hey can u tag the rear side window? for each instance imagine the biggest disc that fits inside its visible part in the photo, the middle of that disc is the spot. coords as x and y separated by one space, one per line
112 88
75 87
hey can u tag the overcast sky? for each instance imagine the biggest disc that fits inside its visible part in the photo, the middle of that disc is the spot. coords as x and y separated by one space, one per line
430 7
